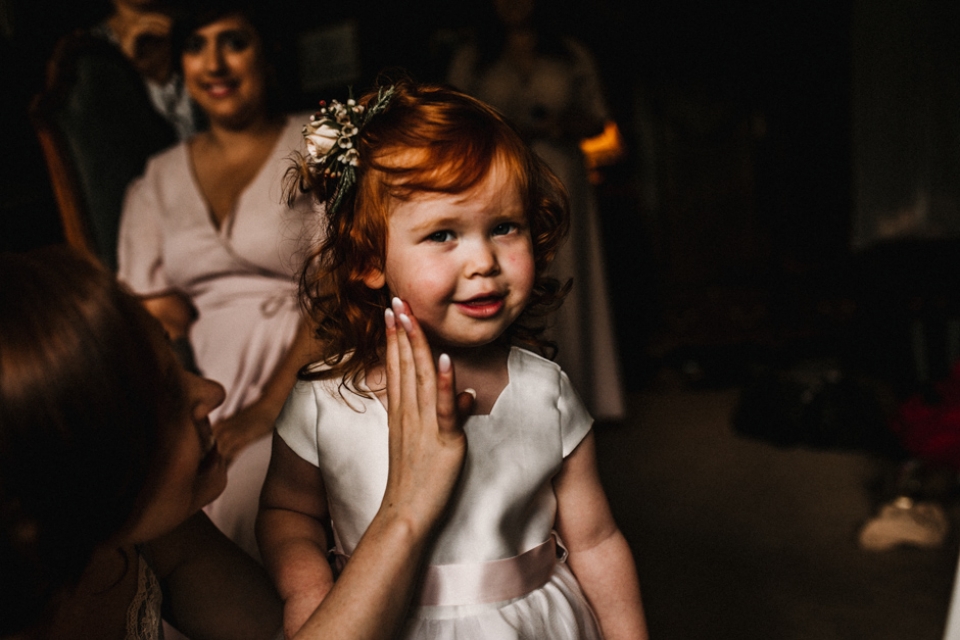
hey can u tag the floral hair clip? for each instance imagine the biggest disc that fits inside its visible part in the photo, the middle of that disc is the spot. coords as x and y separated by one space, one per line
330 141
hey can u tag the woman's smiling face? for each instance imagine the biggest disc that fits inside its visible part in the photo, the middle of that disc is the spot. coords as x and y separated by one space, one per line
225 71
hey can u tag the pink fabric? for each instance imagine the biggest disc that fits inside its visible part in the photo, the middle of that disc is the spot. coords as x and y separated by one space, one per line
455 584
481 583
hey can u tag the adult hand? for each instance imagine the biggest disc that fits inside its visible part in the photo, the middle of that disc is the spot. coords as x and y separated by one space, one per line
146 43
427 448
427 444
247 425
256 420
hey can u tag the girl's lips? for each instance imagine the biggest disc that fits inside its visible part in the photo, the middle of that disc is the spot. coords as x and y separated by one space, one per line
483 307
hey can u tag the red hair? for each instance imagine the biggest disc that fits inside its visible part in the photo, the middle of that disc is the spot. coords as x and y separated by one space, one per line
429 139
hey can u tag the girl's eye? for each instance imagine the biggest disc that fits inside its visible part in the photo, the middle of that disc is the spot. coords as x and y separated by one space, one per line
505 228
193 44
440 236
235 40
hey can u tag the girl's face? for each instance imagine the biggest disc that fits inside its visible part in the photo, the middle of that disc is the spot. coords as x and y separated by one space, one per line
225 71
464 263
193 473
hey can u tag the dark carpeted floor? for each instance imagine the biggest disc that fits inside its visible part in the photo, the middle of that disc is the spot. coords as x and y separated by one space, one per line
739 539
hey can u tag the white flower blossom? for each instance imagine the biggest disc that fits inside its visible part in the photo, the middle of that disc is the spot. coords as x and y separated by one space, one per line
321 139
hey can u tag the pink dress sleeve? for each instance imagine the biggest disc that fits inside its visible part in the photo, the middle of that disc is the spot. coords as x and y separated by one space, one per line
140 243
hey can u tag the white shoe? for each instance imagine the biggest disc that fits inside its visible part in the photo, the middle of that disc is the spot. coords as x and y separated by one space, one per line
905 522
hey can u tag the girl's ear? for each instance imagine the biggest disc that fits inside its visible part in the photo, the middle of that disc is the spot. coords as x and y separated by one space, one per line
374 278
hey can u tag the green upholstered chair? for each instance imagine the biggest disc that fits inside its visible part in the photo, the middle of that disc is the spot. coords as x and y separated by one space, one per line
97 128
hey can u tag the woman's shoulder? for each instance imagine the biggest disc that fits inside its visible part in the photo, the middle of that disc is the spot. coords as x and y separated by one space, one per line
297 119
165 174
290 141
171 159
293 128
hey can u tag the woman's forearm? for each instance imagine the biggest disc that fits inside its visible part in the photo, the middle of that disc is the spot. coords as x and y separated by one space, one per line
370 599
211 588
427 448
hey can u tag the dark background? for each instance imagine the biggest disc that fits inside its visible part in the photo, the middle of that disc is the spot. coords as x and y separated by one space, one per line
727 223
728 234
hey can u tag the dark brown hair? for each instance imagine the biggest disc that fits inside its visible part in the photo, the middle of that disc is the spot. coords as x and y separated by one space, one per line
84 399
271 26
429 139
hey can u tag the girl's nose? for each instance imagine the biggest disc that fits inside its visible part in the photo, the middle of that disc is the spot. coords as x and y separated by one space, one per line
482 260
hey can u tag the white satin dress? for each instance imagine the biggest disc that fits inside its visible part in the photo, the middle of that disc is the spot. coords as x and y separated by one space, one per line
494 571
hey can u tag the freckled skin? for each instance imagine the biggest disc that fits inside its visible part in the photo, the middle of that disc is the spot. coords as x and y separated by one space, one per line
464 263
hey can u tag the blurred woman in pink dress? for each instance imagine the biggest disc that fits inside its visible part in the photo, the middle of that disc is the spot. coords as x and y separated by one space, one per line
209 244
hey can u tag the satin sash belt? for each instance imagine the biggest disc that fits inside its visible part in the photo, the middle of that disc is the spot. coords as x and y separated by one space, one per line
484 582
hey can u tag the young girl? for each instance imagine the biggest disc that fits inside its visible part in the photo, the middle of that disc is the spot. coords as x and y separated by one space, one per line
441 226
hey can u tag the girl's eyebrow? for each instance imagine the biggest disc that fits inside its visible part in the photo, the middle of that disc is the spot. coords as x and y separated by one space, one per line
495 216
434 223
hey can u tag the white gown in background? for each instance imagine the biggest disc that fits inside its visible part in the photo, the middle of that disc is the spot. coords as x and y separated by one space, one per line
504 506
551 89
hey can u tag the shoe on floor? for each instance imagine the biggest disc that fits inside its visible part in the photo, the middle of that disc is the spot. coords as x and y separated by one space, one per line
905 522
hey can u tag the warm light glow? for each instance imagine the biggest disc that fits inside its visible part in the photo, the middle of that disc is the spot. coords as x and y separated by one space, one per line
604 149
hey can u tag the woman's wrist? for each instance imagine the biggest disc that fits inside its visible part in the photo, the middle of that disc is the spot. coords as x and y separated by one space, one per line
401 528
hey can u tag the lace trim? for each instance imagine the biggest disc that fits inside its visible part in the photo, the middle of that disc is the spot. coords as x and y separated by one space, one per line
143 614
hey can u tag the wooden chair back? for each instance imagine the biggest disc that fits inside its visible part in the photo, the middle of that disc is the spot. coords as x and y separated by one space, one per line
96 128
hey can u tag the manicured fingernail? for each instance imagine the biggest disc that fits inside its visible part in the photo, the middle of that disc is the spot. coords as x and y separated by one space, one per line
397 306
444 363
471 392
405 321
389 318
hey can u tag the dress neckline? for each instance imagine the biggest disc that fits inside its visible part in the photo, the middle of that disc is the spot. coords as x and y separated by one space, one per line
511 355
223 229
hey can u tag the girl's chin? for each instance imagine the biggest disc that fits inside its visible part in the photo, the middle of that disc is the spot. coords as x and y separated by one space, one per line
451 345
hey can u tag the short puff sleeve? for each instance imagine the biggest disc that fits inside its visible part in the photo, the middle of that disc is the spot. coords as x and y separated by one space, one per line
140 243
298 421
575 420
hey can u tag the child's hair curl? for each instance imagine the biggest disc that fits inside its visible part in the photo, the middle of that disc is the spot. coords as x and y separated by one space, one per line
428 139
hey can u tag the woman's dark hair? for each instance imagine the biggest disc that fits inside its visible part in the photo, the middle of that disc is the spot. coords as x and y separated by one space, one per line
269 23
84 400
